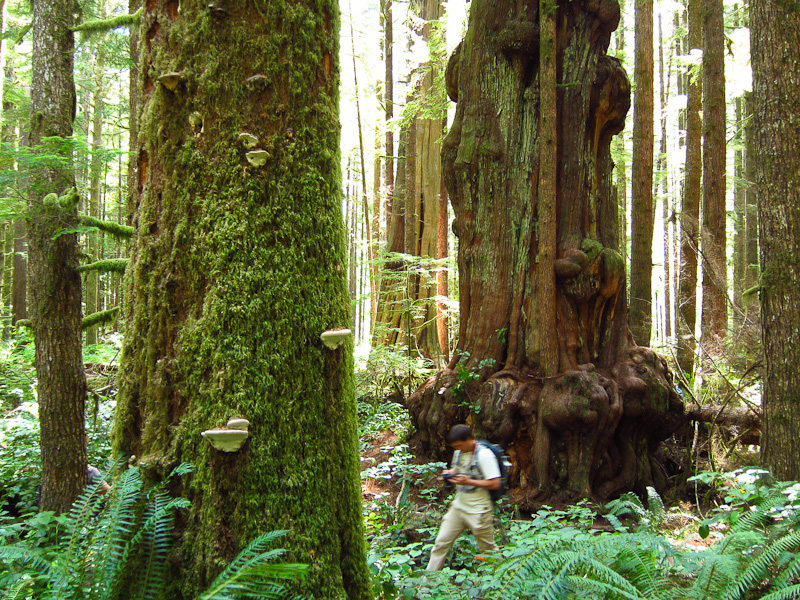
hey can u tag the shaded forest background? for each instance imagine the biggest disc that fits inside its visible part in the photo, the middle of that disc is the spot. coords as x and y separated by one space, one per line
401 272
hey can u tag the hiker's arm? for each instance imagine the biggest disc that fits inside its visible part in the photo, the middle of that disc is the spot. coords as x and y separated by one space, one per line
488 484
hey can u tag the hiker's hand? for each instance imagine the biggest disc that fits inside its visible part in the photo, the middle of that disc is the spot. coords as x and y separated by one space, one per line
448 472
460 480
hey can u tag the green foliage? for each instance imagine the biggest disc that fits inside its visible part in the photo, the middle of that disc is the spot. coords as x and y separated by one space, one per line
374 418
557 554
17 373
385 371
116 546
466 375
20 459
650 517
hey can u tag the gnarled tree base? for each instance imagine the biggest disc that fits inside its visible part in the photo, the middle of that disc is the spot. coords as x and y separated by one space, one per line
586 433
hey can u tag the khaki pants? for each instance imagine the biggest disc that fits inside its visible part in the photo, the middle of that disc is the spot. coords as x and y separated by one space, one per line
455 522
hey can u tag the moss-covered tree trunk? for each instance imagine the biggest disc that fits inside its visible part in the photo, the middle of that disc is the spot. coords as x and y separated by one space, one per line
775 36
591 429
238 267
54 282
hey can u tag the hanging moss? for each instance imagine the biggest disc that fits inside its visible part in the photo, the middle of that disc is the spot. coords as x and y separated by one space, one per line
110 265
236 271
99 318
117 230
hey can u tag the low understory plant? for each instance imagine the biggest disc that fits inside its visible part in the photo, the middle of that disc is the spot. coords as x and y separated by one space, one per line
115 546
557 555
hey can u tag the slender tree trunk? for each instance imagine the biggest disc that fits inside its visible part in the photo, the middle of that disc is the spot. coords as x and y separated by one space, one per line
8 275
548 177
441 275
622 166
689 220
388 104
239 266
54 283
714 321
642 210
373 266
751 200
775 37
663 178
95 182
739 246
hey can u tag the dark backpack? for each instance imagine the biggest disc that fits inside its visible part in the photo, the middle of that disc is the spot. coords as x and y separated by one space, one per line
503 463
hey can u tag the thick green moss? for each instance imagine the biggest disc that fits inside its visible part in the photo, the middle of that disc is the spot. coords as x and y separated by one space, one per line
236 272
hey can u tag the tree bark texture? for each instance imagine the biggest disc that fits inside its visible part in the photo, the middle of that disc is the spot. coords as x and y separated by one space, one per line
689 219
592 428
714 322
640 316
54 284
775 35
239 265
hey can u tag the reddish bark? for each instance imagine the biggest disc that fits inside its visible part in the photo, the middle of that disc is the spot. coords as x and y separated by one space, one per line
591 430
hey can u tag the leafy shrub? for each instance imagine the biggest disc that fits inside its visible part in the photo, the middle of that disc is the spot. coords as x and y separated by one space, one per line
17 373
20 459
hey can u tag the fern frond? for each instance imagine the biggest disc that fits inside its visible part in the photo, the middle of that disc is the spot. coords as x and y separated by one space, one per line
38 571
717 572
759 567
789 593
255 548
250 572
154 539
790 572
117 525
255 580
655 506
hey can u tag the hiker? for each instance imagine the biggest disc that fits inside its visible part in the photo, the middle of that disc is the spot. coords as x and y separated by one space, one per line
474 472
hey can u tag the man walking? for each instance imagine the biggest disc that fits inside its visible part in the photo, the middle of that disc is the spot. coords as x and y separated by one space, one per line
474 472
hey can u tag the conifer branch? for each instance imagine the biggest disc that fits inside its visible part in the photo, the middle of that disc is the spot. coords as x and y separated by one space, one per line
103 25
115 229
111 265
99 318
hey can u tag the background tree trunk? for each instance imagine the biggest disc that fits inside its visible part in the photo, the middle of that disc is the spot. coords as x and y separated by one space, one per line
642 210
689 220
93 247
714 322
54 283
408 312
775 36
240 264
591 430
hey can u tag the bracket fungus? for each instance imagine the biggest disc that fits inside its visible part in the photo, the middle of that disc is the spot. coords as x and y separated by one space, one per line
229 438
333 338
248 140
257 158
170 80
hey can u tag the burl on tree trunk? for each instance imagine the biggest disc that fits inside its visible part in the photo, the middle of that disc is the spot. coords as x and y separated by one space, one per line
593 429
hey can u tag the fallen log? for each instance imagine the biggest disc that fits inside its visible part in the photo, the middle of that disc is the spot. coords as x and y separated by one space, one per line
744 419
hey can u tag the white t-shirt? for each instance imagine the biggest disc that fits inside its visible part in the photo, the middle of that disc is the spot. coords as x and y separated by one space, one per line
471 499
